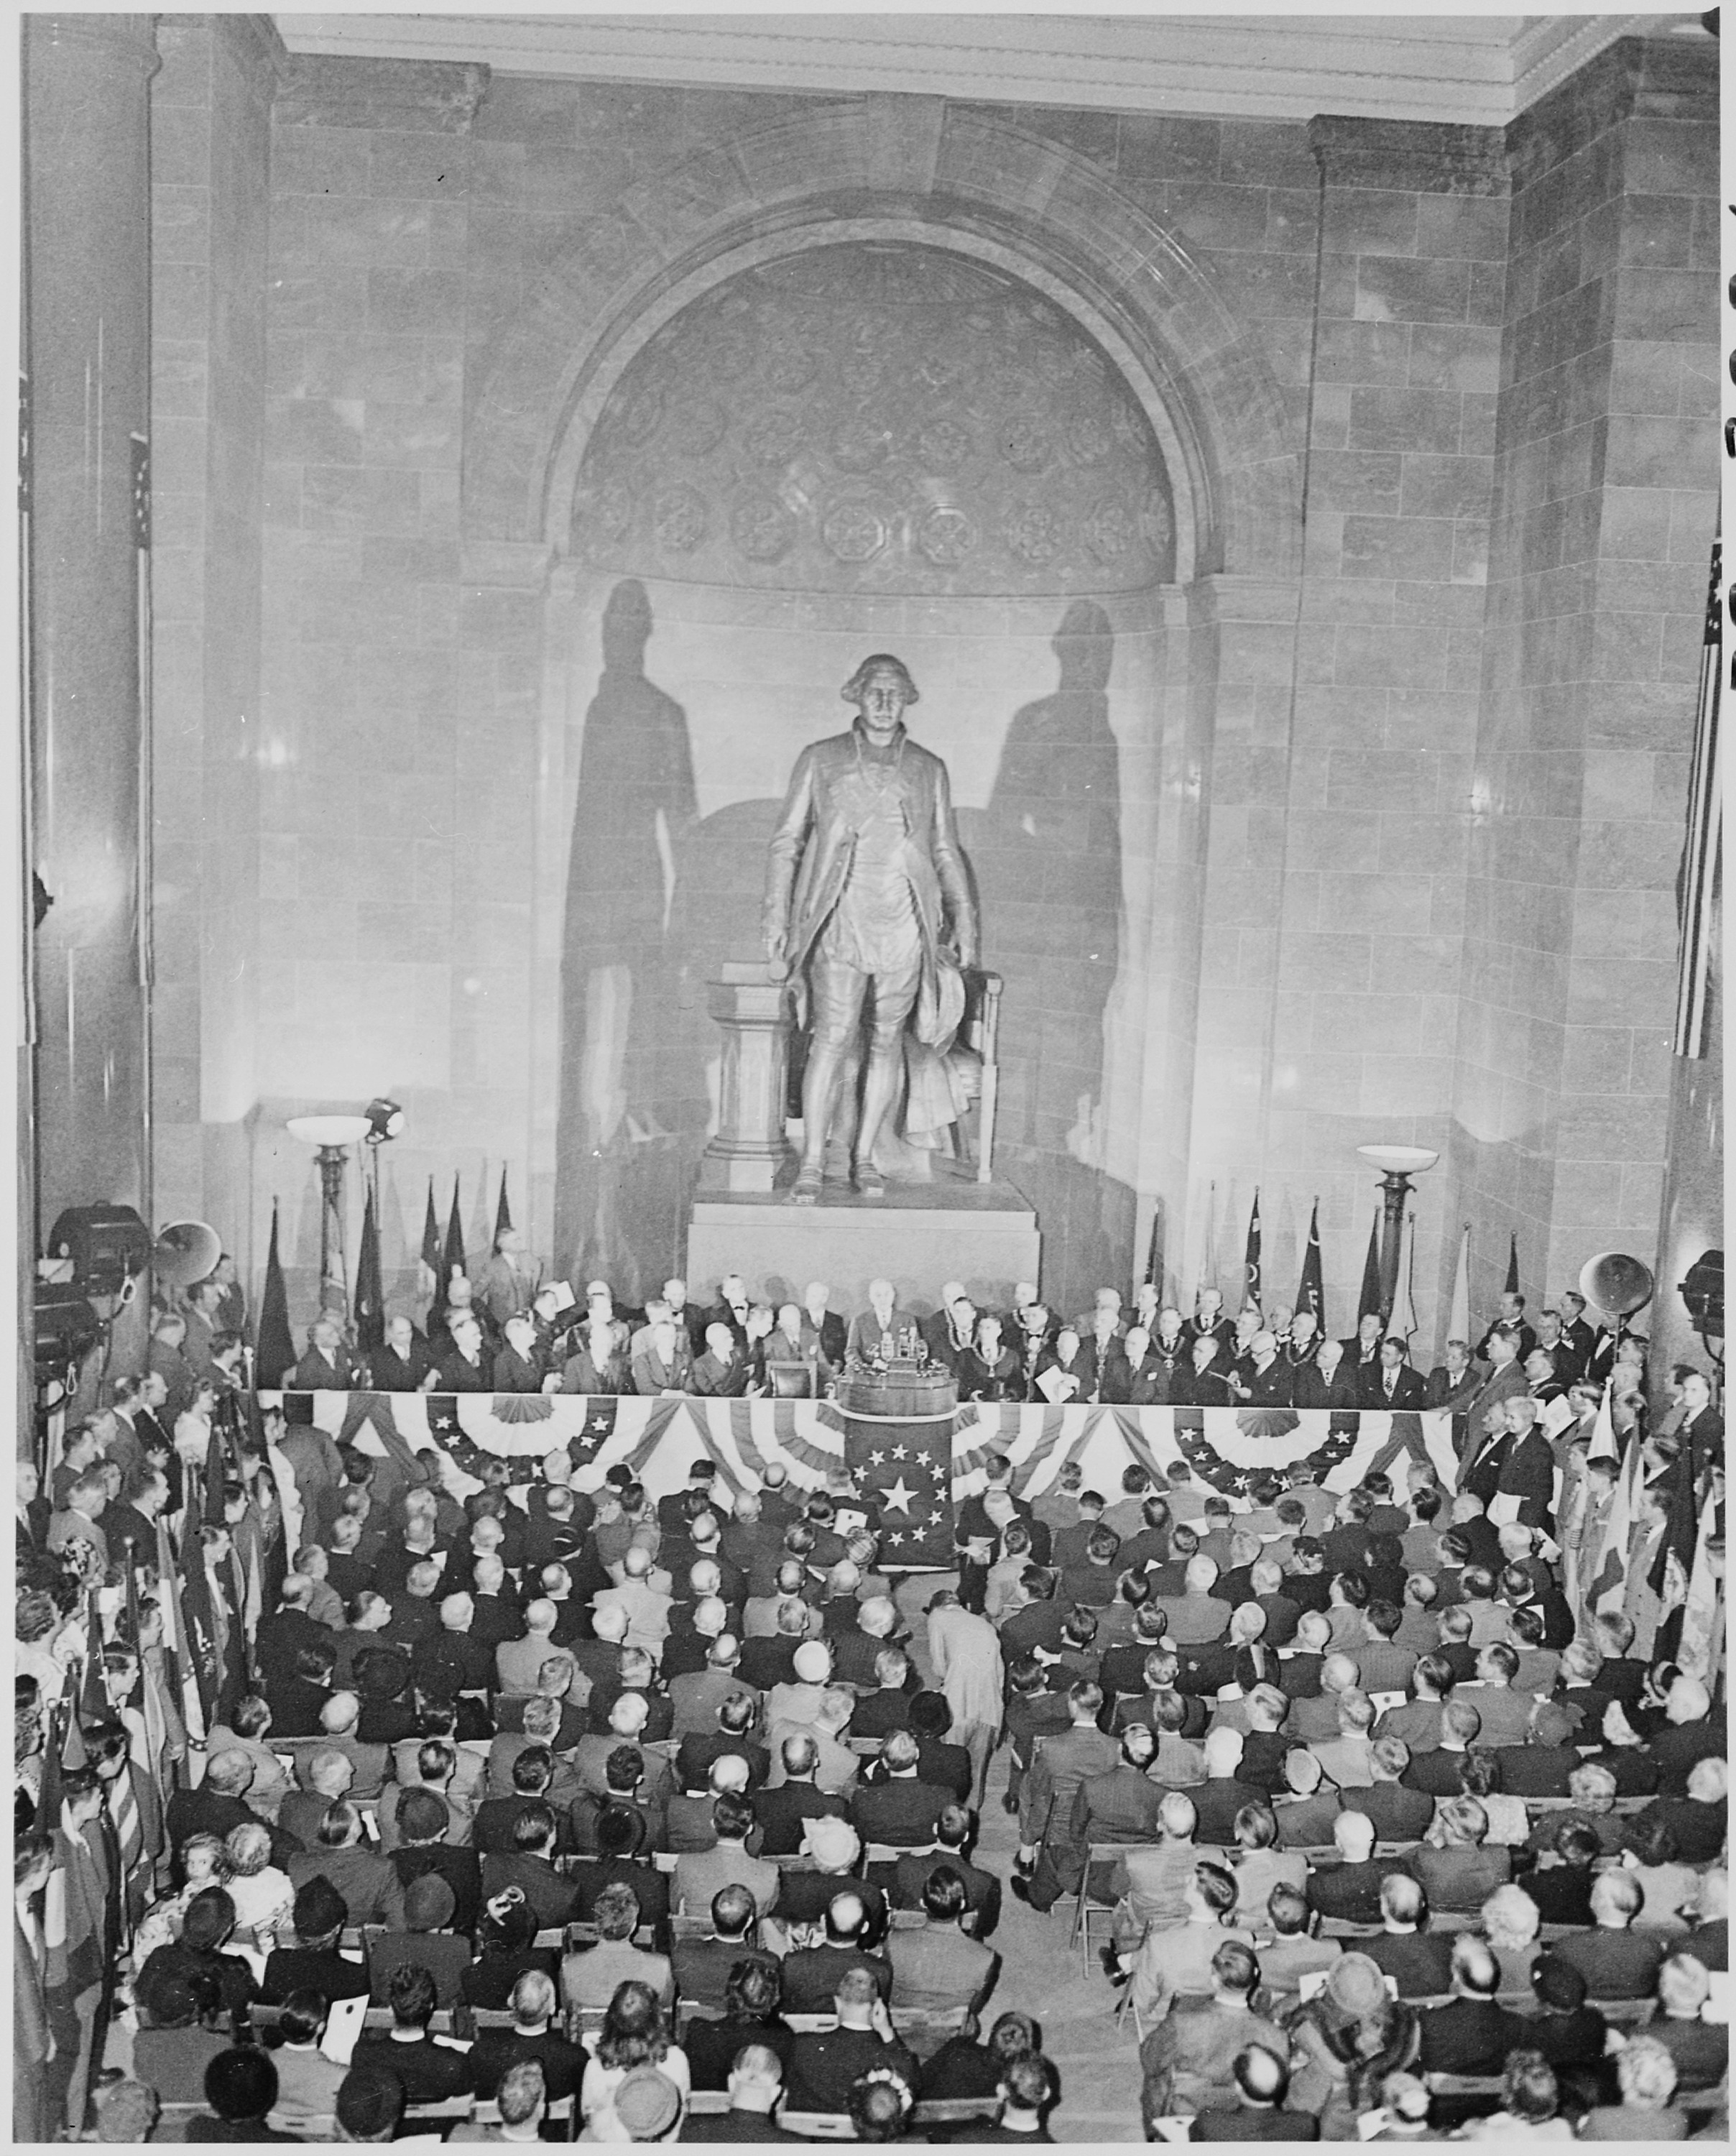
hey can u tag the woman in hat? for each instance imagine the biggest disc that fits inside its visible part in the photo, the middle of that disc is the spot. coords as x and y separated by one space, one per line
1346 2040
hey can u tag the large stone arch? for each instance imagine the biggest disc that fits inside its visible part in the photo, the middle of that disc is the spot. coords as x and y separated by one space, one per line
911 168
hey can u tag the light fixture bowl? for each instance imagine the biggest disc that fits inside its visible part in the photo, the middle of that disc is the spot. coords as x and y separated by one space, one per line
328 1130
1399 1160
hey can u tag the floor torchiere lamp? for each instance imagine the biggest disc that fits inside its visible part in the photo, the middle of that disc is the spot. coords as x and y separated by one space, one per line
1397 1165
331 1137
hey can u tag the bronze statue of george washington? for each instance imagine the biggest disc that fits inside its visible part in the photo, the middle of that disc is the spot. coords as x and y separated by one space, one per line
867 906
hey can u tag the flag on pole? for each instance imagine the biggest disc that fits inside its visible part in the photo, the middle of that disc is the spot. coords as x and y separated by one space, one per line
503 1211
93 1697
1402 1323
1698 878
195 1622
1512 1262
453 1258
1675 1553
1458 1320
1369 1301
1698 1652
1608 1571
369 1289
1207 1268
1251 1259
1603 1443
275 1352
428 1271
1311 1295
216 1475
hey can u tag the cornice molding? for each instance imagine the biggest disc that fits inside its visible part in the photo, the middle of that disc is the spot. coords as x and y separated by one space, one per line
416 96
1464 70
1654 78
1432 157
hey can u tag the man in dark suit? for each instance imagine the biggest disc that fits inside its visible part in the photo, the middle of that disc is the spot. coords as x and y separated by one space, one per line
1265 1379
1395 1386
1419 1961
703 1965
1329 1381
902 1810
1505 1381
812 1975
1511 1319
780 1811
529 1865
953 1833
1350 1891
1700 1431
217 1805
1528 1465
1262 2081
314 1963
1616 1961
1206 1383
1362 1352
1472 2034
825 2068
1399 1813
1120 1805
755 2088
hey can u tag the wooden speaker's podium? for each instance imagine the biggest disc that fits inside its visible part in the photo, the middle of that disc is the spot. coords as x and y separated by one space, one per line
959 1224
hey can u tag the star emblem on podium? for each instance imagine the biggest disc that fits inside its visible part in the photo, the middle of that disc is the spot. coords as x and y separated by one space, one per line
898 1496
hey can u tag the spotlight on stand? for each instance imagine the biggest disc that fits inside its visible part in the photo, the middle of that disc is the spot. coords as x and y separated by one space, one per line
106 1245
385 1120
1703 1292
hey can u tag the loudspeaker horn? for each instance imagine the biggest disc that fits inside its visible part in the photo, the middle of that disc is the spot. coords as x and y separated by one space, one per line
1618 1284
186 1251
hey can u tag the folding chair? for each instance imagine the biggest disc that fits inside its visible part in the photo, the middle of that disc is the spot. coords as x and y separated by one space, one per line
954 2110
708 2103
1465 2085
926 2029
380 2017
456 2108
811 2024
492 2017
818 2125
1097 1852
1624 2013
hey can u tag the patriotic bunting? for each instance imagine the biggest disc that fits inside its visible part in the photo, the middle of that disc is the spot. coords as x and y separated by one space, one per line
658 1440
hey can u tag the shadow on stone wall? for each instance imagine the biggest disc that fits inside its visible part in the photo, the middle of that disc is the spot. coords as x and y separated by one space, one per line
1047 853
632 1086
657 899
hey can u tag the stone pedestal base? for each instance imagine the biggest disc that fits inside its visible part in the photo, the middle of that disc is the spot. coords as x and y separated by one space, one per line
917 1236
752 1011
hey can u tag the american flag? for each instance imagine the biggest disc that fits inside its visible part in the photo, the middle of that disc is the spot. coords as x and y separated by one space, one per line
904 1471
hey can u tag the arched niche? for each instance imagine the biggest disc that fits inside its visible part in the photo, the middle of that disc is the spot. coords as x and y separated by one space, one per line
896 169
891 172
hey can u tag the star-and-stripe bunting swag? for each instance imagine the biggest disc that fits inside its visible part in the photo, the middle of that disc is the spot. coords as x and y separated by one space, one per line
658 1439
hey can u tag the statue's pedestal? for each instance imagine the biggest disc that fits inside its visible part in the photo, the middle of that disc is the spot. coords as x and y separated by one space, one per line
917 1236
751 1010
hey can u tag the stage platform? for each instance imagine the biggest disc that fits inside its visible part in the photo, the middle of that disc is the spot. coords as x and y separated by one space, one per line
917 1236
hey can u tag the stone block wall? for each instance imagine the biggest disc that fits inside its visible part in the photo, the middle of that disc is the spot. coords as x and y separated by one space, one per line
1370 910
210 106
1599 545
